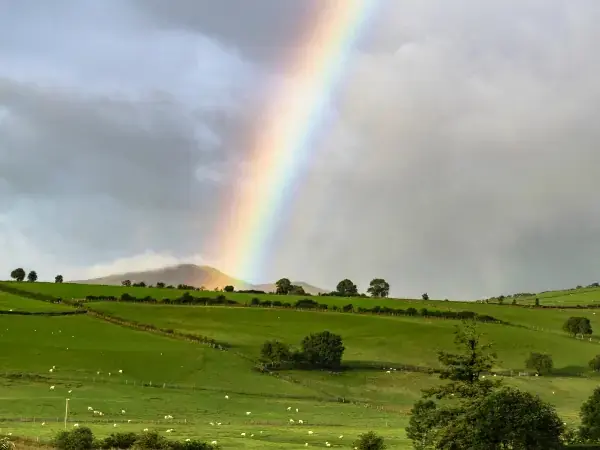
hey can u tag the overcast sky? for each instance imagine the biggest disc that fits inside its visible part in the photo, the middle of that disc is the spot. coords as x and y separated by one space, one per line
460 155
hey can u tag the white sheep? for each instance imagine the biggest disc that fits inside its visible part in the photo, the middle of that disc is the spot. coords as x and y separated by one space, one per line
243 434
51 388
90 408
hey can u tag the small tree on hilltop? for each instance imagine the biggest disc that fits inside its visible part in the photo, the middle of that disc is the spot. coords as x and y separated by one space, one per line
229 288
425 296
589 429
297 290
379 288
126 283
540 362
32 276
369 441
160 284
537 301
323 350
18 274
58 279
283 286
346 288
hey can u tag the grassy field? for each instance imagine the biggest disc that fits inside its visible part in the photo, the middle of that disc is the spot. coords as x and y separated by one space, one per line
12 302
190 381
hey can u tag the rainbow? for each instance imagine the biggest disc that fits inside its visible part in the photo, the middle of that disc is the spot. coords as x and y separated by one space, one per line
284 142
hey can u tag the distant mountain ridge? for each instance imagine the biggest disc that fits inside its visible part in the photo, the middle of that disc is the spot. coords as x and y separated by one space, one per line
192 275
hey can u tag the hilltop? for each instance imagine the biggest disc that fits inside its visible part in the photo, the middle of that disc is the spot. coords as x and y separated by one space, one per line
191 275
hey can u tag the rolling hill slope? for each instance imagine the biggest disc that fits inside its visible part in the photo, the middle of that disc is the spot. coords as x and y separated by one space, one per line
191 275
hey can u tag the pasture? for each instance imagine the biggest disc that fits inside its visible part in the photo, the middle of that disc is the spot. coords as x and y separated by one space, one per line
113 368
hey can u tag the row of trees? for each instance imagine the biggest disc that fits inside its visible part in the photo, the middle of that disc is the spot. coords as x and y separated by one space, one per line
317 351
345 288
19 274
478 413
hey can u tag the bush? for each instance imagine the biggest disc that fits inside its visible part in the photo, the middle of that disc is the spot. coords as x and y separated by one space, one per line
229 288
151 440
6 443
275 354
323 350
540 362
369 441
594 364
119 440
77 439
192 445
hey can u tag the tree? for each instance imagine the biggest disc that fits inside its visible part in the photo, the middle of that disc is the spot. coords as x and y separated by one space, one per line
283 286
126 283
540 362
378 288
369 441
275 353
506 419
297 290
323 350
229 288
18 274
594 364
346 288
537 301
58 279
578 326
160 284
589 429
425 296
430 421
32 276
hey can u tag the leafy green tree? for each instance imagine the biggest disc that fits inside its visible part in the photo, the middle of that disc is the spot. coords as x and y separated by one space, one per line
594 364
540 362
346 288
323 350
283 286
297 290
537 301
425 296
369 441
463 371
589 429
32 276
275 354
505 419
229 288
578 326
18 274
160 284
126 283
58 279
379 288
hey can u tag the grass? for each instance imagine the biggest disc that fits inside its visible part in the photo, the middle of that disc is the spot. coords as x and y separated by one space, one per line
398 340
190 381
9 301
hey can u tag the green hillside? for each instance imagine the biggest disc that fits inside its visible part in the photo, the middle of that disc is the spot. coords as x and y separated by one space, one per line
165 375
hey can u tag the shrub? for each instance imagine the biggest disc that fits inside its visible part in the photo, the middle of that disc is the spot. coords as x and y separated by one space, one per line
275 353
151 440
229 288
594 364
323 350
540 362
6 443
119 440
77 439
192 445
369 441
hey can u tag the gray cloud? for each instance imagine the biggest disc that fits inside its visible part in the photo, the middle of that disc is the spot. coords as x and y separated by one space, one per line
458 156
